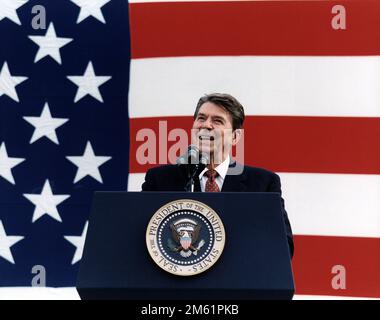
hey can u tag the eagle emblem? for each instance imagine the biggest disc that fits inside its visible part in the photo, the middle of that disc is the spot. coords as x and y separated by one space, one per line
185 233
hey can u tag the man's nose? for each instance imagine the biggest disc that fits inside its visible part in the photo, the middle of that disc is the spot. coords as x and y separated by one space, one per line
207 124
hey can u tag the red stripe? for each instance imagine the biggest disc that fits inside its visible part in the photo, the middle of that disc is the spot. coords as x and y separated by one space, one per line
315 257
291 144
253 28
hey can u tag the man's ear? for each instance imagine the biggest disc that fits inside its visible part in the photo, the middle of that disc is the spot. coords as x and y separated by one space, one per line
236 135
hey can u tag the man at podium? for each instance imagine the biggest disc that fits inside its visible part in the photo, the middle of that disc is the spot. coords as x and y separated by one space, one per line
217 127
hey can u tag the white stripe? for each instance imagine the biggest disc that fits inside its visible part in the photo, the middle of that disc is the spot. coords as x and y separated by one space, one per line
38 293
70 293
333 204
325 204
135 180
296 86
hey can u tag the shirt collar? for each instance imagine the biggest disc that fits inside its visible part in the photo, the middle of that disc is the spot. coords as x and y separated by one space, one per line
221 169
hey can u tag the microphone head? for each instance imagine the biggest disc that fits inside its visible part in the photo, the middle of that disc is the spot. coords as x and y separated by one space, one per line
204 159
181 160
190 157
193 154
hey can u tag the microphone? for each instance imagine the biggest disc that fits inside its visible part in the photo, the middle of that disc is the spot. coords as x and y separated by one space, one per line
193 156
204 159
195 161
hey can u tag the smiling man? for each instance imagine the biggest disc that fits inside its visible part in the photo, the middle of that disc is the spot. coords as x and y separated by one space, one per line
217 127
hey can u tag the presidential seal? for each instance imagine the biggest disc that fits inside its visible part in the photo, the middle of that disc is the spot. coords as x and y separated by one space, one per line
185 237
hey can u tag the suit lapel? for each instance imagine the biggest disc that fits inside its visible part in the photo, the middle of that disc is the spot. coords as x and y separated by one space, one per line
184 179
233 182
197 184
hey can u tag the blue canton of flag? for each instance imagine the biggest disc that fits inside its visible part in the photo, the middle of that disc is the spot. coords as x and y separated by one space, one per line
63 129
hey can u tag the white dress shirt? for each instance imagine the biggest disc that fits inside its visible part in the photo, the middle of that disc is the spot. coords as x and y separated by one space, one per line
222 172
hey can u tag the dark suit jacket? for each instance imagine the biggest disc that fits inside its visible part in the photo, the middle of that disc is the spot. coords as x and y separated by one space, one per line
174 178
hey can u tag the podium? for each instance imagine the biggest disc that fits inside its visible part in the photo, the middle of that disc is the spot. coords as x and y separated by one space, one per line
255 263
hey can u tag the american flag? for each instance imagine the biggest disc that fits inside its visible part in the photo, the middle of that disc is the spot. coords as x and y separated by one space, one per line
310 90
64 129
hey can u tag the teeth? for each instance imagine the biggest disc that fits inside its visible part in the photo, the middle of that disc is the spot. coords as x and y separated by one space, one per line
206 138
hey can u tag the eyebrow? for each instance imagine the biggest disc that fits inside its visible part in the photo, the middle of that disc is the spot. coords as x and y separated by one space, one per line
213 117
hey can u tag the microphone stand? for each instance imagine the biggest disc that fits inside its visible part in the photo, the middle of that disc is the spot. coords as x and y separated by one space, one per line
195 162
193 169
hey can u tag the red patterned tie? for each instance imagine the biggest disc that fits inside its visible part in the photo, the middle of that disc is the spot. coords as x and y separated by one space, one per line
211 185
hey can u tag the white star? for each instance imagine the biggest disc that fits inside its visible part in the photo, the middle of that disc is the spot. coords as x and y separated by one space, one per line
8 9
49 44
89 83
7 163
45 125
88 164
90 8
8 83
46 202
78 242
6 242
